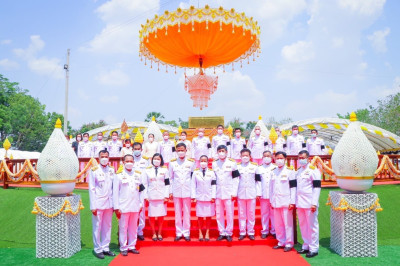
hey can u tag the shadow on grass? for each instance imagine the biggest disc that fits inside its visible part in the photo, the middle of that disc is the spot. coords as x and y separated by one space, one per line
325 242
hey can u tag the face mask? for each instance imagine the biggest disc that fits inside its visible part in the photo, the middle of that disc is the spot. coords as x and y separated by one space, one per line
104 161
203 165
183 137
267 160
238 134
128 166
127 145
99 137
314 135
181 154
78 138
114 137
137 153
220 131
166 137
156 163
151 139
295 132
257 131
201 134
221 155
245 159
303 162
280 162
85 139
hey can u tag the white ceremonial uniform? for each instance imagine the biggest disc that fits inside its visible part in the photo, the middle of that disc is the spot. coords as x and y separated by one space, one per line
149 149
295 143
167 150
141 164
125 151
97 147
85 149
248 189
188 147
227 181
180 173
280 145
257 145
220 140
204 183
200 146
308 191
128 198
267 213
158 188
237 144
100 195
114 148
316 146
282 194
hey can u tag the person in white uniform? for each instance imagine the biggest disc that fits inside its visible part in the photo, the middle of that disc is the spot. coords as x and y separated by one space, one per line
114 146
283 200
180 172
204 183
167 148
150 147
227 181
315 144
267 212
307 198
85 150
257 145
127 198
140 164
127 149
158 192
101 205
220 139
295 142
99 145
183 139
200 146
249 188
237 144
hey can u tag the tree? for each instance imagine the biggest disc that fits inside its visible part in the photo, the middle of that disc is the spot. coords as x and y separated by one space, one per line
157 115
172 123
90 126
183 124
236 123
363 115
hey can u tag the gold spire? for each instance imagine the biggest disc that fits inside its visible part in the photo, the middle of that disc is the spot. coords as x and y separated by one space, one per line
353 117
138 137
259 117
273 136
230 130
179 129
153 118
6 144
58 123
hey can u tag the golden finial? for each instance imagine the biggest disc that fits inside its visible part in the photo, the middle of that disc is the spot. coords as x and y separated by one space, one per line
153 118
11 156
124 127
127 136
6 144
330 151
353 117
139 137
378 153
58 123
273 136
70 137
259 117
179 129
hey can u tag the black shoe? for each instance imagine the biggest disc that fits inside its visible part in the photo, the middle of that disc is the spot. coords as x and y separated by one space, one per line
220 238
311 254
124 253
201 239
229 238
154 238
206 239
241 237
252 237
273 235
177 238
287 249
140 237
134 251
109 253
278 247
303 251
264 236
99 255
187 238
160 238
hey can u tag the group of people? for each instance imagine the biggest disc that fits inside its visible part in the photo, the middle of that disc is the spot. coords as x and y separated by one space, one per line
241 172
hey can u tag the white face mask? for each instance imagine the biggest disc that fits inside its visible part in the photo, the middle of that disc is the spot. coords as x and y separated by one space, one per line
166 137
203 165
114 137
220 131
303 162
156 163
314 135
295 132
183 137
222 155
104 161
137 153
257 131
280 162
151 139
85 139
245 159
78 138
267 160
238 134
201 134
99 137
128 166
181 154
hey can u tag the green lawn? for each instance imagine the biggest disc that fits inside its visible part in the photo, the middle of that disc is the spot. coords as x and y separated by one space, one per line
17 230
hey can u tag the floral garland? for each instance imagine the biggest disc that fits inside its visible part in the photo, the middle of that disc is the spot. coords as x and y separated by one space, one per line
386 164
66 208
344 206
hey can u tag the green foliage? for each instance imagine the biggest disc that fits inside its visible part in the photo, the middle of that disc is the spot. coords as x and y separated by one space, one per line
184 124
236 122
89 126
171 123
157 115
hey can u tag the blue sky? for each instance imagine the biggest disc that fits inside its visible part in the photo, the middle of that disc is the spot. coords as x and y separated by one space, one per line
318 58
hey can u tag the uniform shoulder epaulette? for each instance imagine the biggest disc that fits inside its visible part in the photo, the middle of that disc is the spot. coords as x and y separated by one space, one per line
239 163
210 169
190 159
144 157
164 166
312 167
197 169
173 160
136 171
233 160
290 167
148 167
254 163
94 168
111 167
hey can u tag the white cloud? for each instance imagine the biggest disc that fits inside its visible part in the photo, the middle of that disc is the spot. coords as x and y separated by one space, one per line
8 64
384 91
113 78
378 40
337 42
122 20
5 42
363 7
109 99
298 52
40 65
